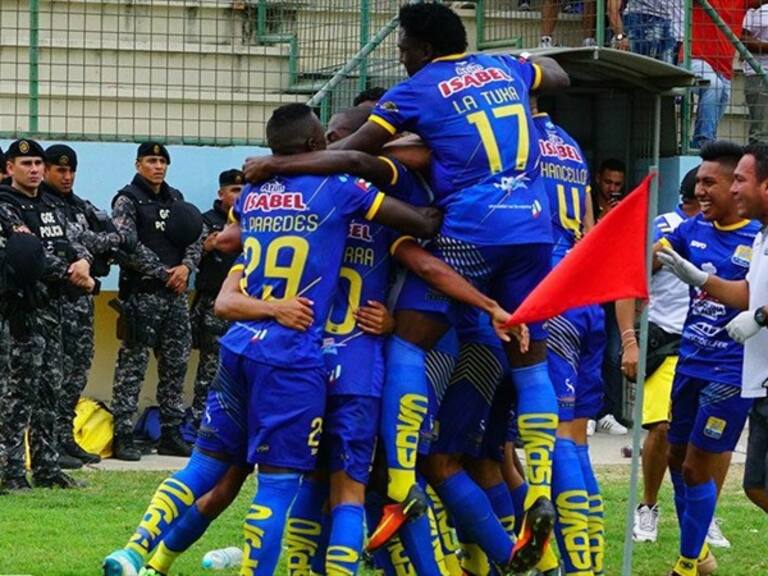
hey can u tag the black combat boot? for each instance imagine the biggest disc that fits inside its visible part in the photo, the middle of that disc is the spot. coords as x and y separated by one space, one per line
172 444
123 448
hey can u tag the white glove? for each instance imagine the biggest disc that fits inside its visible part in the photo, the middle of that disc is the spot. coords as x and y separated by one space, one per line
681 268
743 326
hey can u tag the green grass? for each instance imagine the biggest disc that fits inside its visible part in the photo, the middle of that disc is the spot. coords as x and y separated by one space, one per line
54 532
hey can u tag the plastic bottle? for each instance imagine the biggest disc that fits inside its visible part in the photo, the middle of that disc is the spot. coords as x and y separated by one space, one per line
223 558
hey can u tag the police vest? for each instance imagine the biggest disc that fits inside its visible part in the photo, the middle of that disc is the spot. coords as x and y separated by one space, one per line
214 266
43 218
152 212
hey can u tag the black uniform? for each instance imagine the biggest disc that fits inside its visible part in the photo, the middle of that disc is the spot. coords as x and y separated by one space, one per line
206 327
152 317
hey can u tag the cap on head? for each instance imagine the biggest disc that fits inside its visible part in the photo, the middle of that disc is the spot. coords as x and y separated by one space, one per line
2 161
232 177
153 149
25 147
688 185
61 155
24 258
184 224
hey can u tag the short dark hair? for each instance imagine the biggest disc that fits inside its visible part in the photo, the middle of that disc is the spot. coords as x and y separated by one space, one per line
287 127
688 184
372 94
760 152
436 24
722 152
613 164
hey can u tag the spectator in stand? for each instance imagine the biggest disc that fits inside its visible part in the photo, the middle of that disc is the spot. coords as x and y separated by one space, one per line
712 59
755 38
649 27
550 10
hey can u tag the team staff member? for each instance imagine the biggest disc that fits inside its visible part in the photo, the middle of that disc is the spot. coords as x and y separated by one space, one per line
154 314
36 348
708 412
750 188
77 310
214 267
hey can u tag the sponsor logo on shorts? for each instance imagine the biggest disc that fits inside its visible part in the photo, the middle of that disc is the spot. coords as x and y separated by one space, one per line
714 428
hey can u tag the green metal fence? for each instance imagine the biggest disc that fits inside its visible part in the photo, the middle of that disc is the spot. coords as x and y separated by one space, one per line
195 72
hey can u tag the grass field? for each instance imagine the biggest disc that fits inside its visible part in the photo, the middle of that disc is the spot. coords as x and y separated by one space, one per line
58 532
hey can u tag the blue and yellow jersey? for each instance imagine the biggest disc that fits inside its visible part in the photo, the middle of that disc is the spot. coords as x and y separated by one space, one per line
565 175
294 230
472 111
706 350
365 275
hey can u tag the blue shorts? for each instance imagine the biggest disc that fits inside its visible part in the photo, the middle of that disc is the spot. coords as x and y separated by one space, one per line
356 365
224 425
575 351
440 363
506 273
463 415
285 415
709 415
349 435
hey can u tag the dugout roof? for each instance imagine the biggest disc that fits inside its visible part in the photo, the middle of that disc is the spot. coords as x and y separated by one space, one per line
608 69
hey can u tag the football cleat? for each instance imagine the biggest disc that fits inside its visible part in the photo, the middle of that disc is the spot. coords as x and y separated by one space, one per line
393 516
536 532
122 563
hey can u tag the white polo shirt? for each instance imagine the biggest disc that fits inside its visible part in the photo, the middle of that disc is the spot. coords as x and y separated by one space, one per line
754 376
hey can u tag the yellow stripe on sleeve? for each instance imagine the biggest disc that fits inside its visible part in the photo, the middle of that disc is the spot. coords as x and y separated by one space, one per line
231 216
391 164
371 214
536 76
237 268
383 123
393 248
664 242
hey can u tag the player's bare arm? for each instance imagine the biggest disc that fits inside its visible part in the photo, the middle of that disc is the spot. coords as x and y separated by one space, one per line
553 77
374 318
630 353
233 305
446 280
228 240
370 137
371 168
420 222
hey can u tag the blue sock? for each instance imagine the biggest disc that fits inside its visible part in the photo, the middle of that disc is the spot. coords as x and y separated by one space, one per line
596 510
318 560
700 502
537 423
180 490
569 495
470 508
264 523
680 489
404 406
416 536
518 499
303 529
187 530
345 544
503 506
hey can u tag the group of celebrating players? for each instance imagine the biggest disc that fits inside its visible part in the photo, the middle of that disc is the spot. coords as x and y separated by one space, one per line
403 422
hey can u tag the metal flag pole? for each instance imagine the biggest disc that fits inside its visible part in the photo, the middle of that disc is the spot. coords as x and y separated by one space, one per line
637 411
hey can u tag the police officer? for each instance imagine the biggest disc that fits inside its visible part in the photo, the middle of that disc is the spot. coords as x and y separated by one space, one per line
93 231
154 313
35 324
214 267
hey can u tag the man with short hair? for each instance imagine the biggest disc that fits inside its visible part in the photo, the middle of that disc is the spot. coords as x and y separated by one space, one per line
708 412
666 315
369 96
77 309
153 285
750 190
213 269
35 325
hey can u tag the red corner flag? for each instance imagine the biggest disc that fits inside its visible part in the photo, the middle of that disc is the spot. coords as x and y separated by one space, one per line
608 264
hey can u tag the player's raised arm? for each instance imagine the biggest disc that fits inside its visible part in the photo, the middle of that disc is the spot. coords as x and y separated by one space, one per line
553 77
232 304
445 279
376 170
419 222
